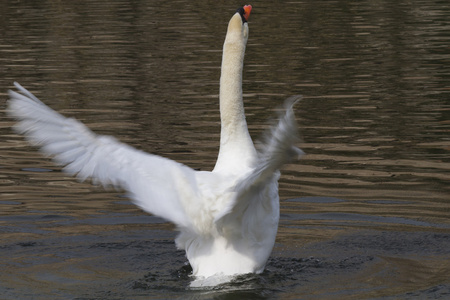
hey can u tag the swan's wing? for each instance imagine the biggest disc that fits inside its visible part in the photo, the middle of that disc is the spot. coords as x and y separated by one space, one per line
158 185
279 148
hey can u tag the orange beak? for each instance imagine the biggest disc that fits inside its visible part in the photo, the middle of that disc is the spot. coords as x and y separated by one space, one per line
247 9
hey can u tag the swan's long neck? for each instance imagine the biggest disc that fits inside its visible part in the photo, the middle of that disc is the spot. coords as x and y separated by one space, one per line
236 146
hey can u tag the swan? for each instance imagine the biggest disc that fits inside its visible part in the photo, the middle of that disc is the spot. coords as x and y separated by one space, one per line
227 218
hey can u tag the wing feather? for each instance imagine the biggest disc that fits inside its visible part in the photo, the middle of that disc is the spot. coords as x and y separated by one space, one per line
158 185
279 148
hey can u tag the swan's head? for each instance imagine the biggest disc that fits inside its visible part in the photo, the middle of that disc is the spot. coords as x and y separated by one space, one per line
238 27
244 12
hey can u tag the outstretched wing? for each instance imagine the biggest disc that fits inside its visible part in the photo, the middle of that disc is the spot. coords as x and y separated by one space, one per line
158 185
279 148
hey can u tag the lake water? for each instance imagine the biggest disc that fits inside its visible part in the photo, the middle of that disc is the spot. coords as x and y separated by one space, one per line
365 214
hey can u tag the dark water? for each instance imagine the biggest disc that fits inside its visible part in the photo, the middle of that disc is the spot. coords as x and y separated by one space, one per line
365 214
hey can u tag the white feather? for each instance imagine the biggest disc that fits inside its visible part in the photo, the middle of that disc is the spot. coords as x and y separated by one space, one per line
227 218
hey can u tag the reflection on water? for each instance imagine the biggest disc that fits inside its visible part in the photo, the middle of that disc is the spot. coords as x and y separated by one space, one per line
365 212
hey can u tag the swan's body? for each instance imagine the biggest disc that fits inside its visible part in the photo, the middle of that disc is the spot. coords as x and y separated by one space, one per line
227 218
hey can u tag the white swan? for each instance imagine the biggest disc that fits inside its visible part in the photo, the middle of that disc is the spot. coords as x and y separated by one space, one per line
227 218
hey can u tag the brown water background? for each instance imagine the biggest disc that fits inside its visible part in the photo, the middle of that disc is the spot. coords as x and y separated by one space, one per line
365 214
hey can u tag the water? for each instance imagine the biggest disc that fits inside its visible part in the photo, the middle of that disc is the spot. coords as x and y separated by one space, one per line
365 214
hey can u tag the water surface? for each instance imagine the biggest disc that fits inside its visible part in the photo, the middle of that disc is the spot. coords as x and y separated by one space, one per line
365 214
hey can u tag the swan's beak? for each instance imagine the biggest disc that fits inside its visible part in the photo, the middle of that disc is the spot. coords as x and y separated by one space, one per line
244 12
247 10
